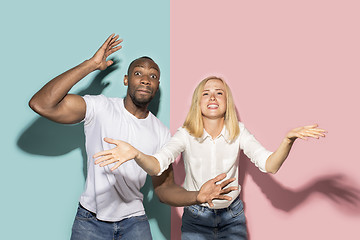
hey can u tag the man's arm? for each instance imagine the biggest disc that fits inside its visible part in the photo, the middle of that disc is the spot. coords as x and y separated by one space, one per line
172 194
53 101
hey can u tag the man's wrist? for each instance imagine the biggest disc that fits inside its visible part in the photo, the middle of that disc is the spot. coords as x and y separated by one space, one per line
91 64
197 197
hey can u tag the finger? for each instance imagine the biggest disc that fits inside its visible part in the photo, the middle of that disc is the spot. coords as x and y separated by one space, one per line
317 133
110 140
109 52
308 134
106 43
114 44
109 62
229 189
102 159
225 183
301 136
319 130
105 163
210 203
113 39
102 153
311 126
116 166
219 177
113 50
223 197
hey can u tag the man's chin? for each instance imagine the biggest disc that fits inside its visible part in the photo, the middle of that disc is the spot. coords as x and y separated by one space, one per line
143 101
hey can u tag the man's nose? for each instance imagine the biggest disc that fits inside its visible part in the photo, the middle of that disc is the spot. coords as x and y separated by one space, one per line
145 80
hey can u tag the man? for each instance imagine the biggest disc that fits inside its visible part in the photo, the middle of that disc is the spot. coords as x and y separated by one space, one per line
111 205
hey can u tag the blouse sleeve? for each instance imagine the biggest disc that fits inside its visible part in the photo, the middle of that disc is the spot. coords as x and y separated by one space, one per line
253 149
171 150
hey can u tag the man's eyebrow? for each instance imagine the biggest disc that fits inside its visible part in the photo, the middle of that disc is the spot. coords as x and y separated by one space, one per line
155 68
141 66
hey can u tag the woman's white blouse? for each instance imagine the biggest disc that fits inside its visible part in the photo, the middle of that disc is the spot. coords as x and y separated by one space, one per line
205 158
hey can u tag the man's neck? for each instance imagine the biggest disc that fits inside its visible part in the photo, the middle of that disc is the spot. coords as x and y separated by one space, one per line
138 112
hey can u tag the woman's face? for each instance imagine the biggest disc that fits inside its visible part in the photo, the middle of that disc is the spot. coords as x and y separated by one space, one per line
213 99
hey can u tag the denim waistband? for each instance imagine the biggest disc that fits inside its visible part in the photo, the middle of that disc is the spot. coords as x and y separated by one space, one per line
235 203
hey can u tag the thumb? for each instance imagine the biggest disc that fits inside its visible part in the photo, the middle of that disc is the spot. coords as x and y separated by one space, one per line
109 62
110 140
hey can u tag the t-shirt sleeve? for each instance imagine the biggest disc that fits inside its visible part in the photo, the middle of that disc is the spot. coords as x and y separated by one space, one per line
253 149
171 150
92 103
166 137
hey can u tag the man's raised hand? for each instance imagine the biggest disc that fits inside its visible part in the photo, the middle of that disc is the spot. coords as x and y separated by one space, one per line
110 46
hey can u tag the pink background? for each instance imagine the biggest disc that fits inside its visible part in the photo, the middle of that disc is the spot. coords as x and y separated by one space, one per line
288 63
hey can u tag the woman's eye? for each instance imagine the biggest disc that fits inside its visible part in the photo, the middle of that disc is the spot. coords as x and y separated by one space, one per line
220 93
205 94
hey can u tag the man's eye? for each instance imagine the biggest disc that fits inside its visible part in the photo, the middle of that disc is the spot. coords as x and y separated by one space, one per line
153 76
137 73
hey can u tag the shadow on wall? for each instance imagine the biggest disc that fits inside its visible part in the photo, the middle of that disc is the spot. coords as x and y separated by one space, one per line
47 138
336 188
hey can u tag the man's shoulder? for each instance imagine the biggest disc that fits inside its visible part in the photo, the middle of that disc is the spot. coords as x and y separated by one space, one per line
158 122
101 99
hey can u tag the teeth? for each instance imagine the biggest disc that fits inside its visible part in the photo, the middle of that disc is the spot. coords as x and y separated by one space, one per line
213 106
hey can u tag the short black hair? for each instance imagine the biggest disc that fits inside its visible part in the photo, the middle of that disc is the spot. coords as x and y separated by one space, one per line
143 57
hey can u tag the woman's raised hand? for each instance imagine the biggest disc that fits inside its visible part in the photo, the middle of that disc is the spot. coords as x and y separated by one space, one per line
305 132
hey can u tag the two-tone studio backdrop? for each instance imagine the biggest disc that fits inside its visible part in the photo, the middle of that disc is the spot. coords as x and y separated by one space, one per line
288 63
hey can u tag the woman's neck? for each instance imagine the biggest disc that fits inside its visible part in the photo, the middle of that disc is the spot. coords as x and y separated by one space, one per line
213 126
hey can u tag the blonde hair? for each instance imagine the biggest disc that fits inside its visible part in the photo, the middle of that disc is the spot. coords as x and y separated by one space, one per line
194 121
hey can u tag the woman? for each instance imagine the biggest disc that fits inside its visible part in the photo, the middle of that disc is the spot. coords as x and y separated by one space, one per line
210 140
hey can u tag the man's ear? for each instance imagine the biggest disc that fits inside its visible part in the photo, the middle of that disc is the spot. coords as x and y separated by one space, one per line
158 87
126 80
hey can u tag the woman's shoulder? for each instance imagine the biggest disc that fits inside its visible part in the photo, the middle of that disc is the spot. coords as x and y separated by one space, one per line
241 125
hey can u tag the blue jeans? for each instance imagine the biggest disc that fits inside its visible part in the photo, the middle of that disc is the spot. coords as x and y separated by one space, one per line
202 223
87 227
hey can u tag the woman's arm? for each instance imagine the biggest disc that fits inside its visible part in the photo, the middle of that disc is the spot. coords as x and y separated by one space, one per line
275 160
124 152
153 165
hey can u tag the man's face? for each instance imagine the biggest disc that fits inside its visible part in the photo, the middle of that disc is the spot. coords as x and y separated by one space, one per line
143 81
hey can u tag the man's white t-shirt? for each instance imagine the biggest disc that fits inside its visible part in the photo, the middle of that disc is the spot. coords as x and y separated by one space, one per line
115 195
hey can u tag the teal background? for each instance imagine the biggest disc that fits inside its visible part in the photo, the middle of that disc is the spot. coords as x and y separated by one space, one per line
42 170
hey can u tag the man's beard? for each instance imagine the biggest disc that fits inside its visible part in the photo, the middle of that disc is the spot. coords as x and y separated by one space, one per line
140 102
